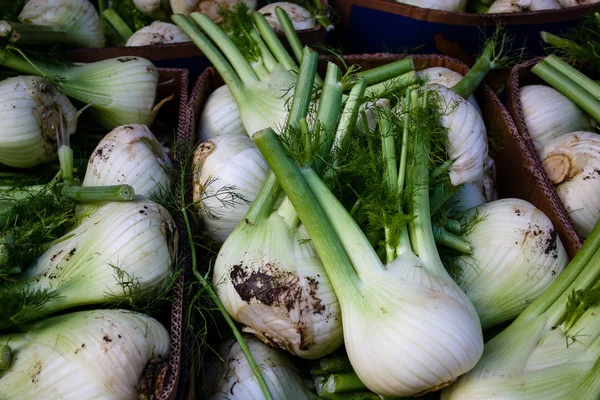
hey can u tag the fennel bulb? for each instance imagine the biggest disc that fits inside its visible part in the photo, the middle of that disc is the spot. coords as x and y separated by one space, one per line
549 114
576 3
230 375
220 115
467 138
120 90
551 350
130 154
446 77
447 5
73 22
229 171
207 7
301 18
510 6
517 254
32 114
476 193
572 163
157 32
121 251
97 354
151 8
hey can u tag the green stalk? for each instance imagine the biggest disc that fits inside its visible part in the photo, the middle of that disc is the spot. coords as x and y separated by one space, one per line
229 76
304 86
22 63
451 241
387 71
65 158
268 59
403 151
338 383
19 33
323 236
560 43
213 296
477 73
392 85
235 57
290 33
573 74
87 194
565 85
332 364
388 152
273 42
453 226
117 23
5 357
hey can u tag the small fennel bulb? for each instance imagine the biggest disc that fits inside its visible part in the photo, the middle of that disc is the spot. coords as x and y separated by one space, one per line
549 114
74 22
301 18
220 115
151 7
517 254
31 110
511 6
572 162
99 354
118 243
157 32
446 5
229 171
207 7
130 154
478 192
446 77
231 376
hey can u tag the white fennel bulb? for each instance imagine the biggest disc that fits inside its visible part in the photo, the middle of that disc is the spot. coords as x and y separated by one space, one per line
301 18
575 3
467 138
130 155
78 19
207 7
229 171
446 5
157 32
446 77
517 254
220 115
97 354
231 377
32 112
151 7
512 6
572 162
270 279
478 192
118 243
549 114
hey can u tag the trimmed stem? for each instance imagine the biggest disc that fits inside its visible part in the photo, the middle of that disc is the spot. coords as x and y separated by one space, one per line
389 86
477 73
453 226
387 71
450 240
88 194
403 152
330 103
117 23
213 296
339 383
580 95
235 57
573 74
332 365
6 356
265 201
227 73
559 43
19 33
326 241
271 39
304 87
65 158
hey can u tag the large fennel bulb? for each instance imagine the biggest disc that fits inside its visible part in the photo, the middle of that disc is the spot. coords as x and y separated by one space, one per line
220 115
157 32
97 354
77 19
131 242
270 278
446 77
467 138
130 154
517 254
229 171
572 162
301 18
511 6
230 375
207 7
32 112
447 5
549 114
